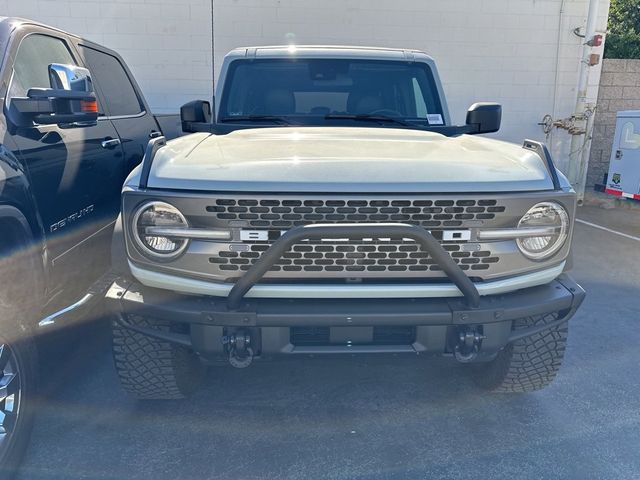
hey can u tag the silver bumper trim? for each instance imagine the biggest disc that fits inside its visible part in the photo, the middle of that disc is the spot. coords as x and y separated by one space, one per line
292 290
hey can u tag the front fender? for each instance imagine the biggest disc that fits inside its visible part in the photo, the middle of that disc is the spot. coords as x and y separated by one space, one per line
15 190
119 263
17 204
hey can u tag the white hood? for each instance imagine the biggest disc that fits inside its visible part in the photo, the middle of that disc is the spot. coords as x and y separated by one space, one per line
345 159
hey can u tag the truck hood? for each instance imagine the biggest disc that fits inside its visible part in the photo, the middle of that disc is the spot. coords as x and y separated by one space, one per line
345 159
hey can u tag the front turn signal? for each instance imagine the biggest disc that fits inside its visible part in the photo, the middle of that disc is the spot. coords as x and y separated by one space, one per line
89 106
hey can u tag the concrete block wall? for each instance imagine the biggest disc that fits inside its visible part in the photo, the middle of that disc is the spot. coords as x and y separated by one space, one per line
513 52
166 43
521 53
619 90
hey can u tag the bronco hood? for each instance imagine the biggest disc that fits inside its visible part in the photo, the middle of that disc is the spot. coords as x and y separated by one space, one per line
345 159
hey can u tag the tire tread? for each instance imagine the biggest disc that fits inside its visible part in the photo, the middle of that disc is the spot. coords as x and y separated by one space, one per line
152 369
528 364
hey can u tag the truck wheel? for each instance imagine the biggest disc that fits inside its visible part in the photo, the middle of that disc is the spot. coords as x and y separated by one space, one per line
19 269
528 364
152 369
17 395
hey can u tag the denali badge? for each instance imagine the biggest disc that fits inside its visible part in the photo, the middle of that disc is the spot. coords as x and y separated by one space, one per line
71 218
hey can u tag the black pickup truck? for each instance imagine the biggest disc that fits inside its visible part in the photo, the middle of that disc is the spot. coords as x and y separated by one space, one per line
73 124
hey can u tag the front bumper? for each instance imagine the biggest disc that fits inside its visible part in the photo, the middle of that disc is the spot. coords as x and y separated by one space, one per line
205 323
435 320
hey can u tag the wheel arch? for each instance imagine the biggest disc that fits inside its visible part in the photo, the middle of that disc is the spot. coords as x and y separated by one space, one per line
16 196
17 238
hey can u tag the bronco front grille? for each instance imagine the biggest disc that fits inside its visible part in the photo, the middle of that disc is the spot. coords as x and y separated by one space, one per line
368 258
257 219
291 212
355 257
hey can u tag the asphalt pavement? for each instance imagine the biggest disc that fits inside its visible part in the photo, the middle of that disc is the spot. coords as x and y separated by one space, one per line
369 418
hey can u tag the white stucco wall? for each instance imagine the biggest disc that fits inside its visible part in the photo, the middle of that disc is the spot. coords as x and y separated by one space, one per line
508 51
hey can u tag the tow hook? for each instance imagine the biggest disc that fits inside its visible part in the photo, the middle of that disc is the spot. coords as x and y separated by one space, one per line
238 346
468 344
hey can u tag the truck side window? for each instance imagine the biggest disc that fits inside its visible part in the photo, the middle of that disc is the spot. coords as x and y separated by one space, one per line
31 67
120 96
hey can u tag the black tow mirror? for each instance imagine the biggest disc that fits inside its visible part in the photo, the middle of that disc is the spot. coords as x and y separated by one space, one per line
70 100
196 116
484 117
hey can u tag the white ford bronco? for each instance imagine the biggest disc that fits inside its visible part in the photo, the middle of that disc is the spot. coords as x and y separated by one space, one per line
328 205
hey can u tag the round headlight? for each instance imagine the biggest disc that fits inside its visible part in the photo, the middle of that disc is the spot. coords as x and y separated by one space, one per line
162 215
545 214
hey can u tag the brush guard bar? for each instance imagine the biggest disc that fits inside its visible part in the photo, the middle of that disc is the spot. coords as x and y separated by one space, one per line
354 231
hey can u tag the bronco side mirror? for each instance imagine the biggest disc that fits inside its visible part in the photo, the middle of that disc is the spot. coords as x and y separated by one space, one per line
484 117
196 116
70 100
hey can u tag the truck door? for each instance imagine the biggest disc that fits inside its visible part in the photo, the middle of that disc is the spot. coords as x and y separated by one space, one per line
123 103
75 171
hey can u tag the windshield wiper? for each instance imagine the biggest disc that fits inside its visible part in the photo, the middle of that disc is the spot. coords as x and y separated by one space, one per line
365 117
256 118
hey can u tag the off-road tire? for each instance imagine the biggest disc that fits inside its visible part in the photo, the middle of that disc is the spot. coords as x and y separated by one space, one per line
152 369
528 364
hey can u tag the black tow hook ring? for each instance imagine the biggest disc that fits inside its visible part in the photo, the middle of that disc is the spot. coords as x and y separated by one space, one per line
356 231
468 344
238 347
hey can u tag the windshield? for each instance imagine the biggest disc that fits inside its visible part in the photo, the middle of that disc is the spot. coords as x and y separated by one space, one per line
319 90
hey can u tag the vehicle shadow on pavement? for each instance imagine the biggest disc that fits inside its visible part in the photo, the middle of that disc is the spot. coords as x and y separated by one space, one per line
346 417
363 418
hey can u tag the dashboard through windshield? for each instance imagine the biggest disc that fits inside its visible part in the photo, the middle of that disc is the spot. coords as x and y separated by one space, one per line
318 91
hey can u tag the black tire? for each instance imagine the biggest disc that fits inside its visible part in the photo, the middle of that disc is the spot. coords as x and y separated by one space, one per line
19 305
528 364
152 369
18 360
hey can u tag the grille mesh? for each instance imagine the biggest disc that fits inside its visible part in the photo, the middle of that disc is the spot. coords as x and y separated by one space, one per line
354 257
287 213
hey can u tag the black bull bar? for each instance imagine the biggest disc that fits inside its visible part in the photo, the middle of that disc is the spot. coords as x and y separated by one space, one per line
353 231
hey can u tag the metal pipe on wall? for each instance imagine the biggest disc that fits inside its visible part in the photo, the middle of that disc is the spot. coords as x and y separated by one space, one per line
579 150
554 108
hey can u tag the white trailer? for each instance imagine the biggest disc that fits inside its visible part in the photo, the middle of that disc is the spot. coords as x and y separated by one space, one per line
624 168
